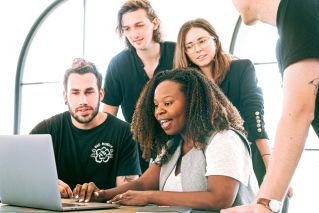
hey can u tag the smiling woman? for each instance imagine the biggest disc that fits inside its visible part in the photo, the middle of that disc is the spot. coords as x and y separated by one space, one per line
203 137
169 105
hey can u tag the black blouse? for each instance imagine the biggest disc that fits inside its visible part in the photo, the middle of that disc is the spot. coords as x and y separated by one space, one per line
240 86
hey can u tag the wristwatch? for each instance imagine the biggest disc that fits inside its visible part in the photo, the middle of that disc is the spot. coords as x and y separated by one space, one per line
272 205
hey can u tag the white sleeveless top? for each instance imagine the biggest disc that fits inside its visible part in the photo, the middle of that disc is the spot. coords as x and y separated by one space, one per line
173 183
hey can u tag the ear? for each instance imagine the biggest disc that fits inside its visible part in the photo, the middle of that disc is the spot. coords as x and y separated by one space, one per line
65 97
156 23
101 94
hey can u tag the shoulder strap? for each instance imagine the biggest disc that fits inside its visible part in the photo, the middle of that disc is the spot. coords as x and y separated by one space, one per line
173 144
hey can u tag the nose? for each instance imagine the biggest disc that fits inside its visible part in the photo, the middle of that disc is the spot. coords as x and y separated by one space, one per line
197 48
83 99
135 33
159 111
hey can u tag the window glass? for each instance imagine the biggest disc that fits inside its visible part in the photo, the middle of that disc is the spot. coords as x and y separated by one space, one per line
256 42
16 21
57 41
40 102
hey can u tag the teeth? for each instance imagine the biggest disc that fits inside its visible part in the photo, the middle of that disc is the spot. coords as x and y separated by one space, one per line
163 121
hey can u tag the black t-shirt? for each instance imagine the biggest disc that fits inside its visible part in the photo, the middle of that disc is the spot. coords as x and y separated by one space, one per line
126 77
96 155
298 28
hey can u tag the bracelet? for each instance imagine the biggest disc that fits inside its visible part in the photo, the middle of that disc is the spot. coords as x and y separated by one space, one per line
264 155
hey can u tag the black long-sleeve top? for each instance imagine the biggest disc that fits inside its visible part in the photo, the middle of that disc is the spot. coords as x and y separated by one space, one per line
240 86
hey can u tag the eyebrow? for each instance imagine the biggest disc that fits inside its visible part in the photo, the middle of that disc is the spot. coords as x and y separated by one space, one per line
89 88
168 96
197 39
139 22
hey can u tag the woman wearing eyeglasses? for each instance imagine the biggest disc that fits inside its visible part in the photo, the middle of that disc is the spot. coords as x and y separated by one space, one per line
198 46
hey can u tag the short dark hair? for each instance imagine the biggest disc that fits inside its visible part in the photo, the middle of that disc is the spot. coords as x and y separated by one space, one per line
133 5
80 66
207 109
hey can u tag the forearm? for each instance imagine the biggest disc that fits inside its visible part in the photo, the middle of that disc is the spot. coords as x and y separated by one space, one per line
195 200
110 109
300 87
290 140
133 185
121 180
264 149
148 181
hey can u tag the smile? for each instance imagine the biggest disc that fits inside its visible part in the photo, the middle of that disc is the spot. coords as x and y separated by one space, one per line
165 123
137 41
201 57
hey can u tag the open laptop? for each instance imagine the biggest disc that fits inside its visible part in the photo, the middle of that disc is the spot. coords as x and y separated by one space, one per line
28 175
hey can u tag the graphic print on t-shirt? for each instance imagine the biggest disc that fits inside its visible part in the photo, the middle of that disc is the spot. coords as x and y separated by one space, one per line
102 152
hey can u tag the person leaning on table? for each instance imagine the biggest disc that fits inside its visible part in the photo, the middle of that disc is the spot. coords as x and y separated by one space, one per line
298 60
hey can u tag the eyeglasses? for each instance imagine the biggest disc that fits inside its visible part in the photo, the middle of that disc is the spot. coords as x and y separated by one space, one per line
202 43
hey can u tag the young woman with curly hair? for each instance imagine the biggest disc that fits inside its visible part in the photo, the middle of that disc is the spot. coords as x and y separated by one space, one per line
203 158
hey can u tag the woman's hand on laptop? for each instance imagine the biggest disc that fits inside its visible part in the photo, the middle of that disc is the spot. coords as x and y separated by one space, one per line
85 192
65 190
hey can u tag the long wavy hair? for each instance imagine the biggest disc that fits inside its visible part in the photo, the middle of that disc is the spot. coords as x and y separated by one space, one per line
207 110
131 6
221 62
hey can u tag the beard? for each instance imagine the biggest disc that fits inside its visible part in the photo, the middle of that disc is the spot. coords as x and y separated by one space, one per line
86 119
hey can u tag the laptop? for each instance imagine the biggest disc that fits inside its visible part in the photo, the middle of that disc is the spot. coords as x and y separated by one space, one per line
28 175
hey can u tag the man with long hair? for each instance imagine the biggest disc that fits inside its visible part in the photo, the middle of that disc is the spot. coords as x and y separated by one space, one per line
145 55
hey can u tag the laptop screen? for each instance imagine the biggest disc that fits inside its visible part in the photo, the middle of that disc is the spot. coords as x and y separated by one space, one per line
28 174
29 165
